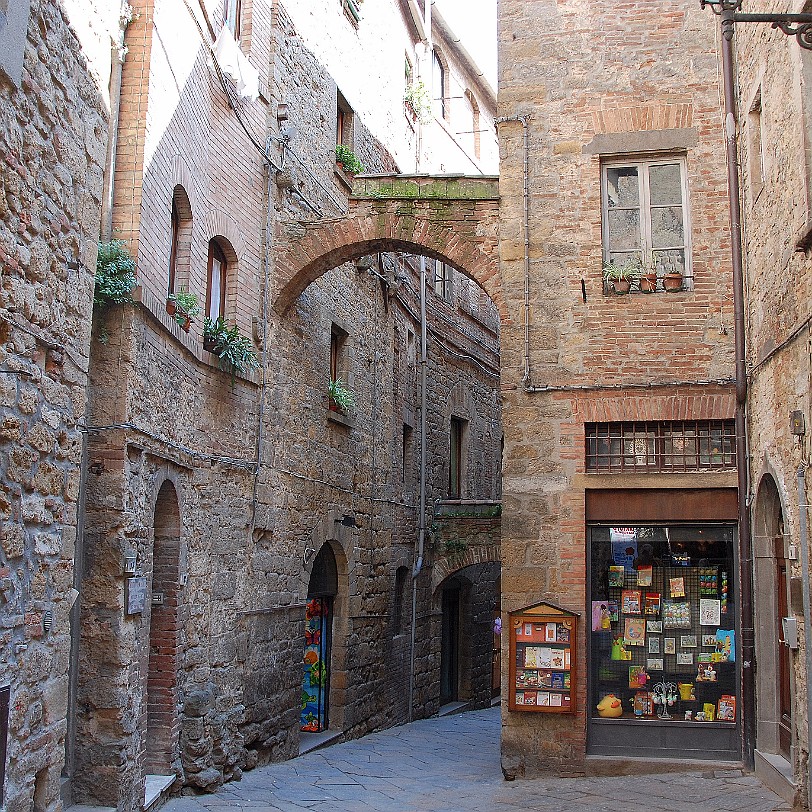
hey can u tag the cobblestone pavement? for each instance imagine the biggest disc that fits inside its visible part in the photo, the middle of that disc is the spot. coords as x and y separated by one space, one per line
451 764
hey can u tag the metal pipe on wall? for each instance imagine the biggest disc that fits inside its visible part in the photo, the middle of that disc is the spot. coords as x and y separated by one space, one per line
803 506
742 461
421 533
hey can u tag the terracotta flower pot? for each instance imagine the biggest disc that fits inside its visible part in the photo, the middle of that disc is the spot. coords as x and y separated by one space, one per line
672 282
621 286
648 283
171 306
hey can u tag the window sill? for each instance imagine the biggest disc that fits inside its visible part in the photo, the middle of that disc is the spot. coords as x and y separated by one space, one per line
340 418
344 179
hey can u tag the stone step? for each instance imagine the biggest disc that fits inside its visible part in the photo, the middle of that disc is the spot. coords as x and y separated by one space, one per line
156 786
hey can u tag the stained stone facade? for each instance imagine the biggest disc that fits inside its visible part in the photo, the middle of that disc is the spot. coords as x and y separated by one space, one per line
595 83
53 127
211 495
774 76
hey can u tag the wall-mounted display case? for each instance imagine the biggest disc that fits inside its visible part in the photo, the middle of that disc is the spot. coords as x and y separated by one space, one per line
543 673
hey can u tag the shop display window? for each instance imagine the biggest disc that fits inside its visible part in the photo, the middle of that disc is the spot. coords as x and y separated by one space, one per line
663 641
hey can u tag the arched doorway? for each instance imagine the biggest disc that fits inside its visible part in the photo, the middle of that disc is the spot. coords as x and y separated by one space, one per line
774 688
321 593
162 675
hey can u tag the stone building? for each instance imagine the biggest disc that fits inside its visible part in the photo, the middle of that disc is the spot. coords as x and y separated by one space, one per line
620 487
774 75
236 522
53 126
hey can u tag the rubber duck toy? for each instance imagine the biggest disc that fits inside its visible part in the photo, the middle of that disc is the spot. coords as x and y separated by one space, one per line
609 707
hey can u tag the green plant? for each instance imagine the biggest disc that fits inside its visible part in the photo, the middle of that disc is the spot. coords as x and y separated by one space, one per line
341 395
631 270
418 100
232 348
346 157
454 547
115 275
187 305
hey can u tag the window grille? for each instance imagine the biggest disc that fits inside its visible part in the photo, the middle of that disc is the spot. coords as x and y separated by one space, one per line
691 445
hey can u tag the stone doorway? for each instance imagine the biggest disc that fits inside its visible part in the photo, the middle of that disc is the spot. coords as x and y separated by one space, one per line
774 735
317 660
163 725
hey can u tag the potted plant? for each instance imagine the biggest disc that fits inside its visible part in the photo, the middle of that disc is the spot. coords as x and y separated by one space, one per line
232 348
183 306
672 282
340 397
619 278
648 275
346 159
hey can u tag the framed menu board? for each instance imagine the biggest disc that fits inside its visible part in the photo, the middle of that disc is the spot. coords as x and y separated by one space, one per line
543 642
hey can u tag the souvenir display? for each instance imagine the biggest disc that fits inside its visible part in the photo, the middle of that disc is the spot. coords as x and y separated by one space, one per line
542 639
687 591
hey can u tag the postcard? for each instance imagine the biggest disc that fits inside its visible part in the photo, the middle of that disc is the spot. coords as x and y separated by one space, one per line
631 601
616 574
652 603
555 700
654 664
654 645
634 633
543 698
563 632
685 659
644 575
549 634
710 612
670 645
709 640
677 587
687 641
614 610
654 626
557 658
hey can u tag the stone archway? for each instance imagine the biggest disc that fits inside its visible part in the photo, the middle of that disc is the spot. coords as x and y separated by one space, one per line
454 220
774 723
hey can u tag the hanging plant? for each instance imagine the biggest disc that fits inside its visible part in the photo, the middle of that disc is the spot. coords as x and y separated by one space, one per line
115 275
340 395
234 349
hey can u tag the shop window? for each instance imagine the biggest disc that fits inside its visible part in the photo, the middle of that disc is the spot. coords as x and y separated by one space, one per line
232 13
443 280
218 275
645 215
665 446
456 458
663 644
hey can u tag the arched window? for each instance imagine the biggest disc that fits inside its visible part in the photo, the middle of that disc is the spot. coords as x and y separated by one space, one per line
218 273
180 219
473 110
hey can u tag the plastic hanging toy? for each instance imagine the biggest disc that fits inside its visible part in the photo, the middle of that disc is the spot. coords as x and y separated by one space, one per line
665 696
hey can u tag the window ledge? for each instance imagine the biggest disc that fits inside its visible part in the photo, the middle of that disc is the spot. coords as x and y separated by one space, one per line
339 417
156 308
343 178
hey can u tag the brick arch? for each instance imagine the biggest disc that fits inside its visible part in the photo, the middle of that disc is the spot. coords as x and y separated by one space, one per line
452 220
446 566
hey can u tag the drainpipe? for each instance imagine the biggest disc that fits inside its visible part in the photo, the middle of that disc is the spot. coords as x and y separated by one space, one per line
117 63
526 203
421 533
803 506
742 462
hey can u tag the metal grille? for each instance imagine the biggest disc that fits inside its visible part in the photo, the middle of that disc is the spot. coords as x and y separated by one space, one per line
691 445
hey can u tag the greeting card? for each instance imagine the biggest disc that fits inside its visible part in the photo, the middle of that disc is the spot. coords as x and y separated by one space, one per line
630 599
677 587
652 606
634 631
644 575
616 574
710 612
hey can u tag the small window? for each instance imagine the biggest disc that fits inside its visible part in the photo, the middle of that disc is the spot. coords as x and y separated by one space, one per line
180 236
438 78
400 618
442 280
691 445
411 348
645 214
456 458
755 146
218 274
406 454
339 363
232 13
473 139
173 248
344 122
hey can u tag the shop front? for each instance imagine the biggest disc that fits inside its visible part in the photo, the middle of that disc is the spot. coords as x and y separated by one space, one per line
663 669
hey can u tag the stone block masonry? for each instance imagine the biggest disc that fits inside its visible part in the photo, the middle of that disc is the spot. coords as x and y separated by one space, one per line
53 131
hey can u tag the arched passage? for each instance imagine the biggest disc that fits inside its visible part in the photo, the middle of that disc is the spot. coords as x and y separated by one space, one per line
454 220
773 676
162 716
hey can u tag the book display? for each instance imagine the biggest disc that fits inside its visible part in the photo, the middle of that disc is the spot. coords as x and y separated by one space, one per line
669 653
542 669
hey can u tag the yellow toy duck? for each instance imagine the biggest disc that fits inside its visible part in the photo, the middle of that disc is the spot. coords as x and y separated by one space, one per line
610 707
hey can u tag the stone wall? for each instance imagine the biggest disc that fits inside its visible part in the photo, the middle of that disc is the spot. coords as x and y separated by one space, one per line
774 126
53 130
224 488
639 81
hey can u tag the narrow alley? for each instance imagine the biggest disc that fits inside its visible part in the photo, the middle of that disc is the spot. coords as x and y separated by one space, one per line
451 764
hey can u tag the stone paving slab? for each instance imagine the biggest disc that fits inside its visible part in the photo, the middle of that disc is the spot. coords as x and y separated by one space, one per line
451 764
